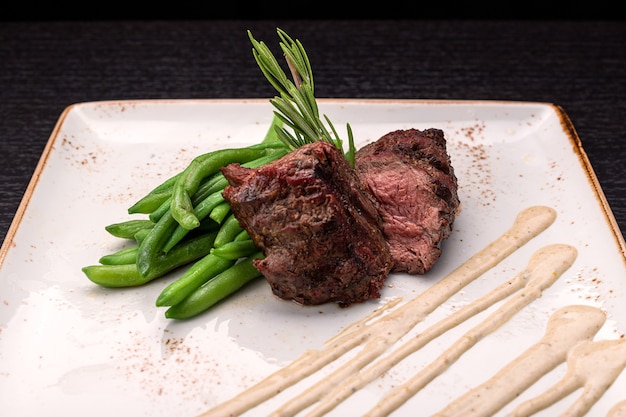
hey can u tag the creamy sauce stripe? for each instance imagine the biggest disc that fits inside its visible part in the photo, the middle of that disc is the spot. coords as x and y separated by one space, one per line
544 268
592 366
360 323
390 328
566 327
618 410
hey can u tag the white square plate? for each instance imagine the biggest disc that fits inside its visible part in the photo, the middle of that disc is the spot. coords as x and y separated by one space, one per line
70 348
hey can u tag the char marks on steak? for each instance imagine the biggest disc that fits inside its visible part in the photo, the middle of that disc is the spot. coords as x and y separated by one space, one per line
316 225
409 174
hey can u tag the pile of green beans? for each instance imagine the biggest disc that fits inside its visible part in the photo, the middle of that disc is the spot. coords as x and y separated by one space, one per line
188 223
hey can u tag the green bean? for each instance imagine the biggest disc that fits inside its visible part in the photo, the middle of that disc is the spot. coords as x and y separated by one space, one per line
121 257
141 235
216 289
272 134
158 212
199 273
115 276
202 167
202 210
228 231
129 275
243 235
235 249
216 182
167 184
175 237
154 198
213 185
152 245
208 204
127 229
150 202
220 212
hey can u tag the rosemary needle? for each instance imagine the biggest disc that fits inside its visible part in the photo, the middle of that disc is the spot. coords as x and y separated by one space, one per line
296 104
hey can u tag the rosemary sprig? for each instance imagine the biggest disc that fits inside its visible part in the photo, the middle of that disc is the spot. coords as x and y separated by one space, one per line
296 104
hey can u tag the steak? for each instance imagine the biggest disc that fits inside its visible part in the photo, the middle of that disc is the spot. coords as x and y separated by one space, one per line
409 174
316 224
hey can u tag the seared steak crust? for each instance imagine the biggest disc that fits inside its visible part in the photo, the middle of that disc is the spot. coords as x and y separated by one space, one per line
409 174
316 225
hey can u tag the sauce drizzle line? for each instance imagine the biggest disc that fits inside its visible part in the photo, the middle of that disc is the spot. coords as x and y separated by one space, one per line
544 268
592 366
618 410
527 225
566 327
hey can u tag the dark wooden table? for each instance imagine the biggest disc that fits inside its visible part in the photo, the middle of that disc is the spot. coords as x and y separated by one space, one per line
46 66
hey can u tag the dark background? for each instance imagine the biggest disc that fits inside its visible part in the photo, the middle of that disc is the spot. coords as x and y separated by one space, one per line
573 56
320 9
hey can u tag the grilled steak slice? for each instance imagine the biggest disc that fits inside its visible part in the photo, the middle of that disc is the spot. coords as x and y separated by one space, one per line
316 225
415 191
